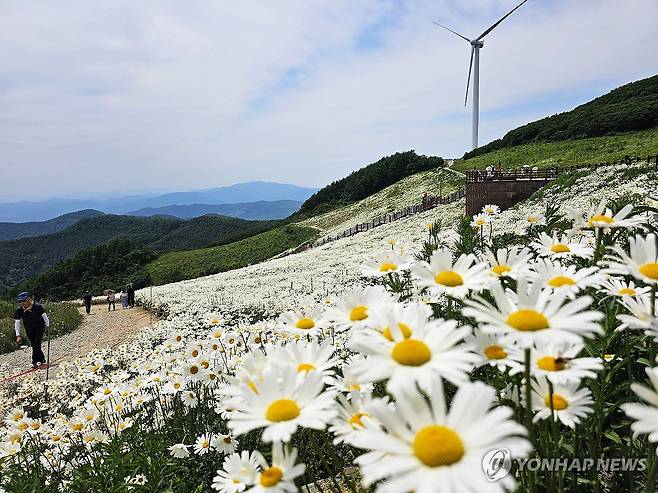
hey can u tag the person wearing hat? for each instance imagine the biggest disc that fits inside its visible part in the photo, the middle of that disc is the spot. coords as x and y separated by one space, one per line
35 320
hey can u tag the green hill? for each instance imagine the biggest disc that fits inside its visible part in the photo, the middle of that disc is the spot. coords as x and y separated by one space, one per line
24 258
178 266
366 181
628 108
13 231
547 154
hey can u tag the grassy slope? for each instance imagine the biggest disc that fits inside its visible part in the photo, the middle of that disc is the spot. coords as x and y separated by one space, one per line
406 192
547 154
177 266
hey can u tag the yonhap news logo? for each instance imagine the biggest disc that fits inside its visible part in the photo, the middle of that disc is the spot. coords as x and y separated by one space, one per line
497 463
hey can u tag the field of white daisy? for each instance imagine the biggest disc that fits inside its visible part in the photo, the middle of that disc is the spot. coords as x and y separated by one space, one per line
400 359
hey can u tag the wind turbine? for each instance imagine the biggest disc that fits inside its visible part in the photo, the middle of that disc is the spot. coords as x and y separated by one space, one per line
476 44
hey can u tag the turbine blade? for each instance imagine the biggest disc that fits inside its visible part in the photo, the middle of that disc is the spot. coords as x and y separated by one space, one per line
468 81
453 32
501 20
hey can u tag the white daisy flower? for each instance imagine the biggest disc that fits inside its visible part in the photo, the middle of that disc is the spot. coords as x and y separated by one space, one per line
641 316
224 444
282 403
238 472
433 351
355 308
507 262
179 451
552 274
534 314
404 316
642 263
645 415
386 263
278 477
306 322
614 286
494 351
570 403
308 357
203 444
561 246
602 217
352 416
423 446
535 219
559 362
491 209
441 276
481 220
349 381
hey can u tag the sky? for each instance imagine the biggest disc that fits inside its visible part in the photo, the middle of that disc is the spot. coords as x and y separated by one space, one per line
118 97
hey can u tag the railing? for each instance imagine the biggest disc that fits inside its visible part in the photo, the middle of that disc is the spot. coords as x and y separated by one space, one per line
528 173
429 202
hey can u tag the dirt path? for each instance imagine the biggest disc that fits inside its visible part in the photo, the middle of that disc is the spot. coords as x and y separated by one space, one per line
98 329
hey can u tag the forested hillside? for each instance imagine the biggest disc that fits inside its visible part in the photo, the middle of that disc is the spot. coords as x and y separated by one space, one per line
367 181
628 108
24 258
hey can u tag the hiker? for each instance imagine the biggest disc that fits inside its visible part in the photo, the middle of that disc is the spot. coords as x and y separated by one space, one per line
35 320
110 300
123 296
131 296
87 301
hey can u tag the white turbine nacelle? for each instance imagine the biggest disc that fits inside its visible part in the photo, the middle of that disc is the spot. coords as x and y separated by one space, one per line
476 45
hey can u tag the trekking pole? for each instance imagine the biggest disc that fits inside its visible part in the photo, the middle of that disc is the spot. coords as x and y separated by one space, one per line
47 352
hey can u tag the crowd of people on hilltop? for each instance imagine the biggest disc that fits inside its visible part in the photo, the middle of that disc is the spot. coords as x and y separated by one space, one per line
126 297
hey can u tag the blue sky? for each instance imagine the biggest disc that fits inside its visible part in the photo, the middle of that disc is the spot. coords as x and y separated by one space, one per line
117 96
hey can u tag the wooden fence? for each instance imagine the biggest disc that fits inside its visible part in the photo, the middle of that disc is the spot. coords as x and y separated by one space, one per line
528 173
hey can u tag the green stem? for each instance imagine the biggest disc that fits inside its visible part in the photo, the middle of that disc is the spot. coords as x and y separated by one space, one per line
528 402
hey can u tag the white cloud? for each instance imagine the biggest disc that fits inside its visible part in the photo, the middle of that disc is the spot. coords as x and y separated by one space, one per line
110 95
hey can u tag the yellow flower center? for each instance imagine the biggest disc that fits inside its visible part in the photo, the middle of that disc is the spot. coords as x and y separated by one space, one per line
282 410
560 248
600 218
354 386
194 370
500 270
411 352
559 402
305 323
527 320
228 440
437 445
549 363
305 367
495 352
356 420
359 313
449 278
626 291
533 219
480 222
195 353
270 476
23 426
77 426
404 328
387 267
559 281
650 269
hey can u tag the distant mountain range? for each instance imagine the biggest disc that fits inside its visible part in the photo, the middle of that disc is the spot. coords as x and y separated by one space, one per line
240 193
14 231
261 210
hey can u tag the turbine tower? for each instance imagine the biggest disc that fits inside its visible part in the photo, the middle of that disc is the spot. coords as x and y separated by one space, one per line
474 67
